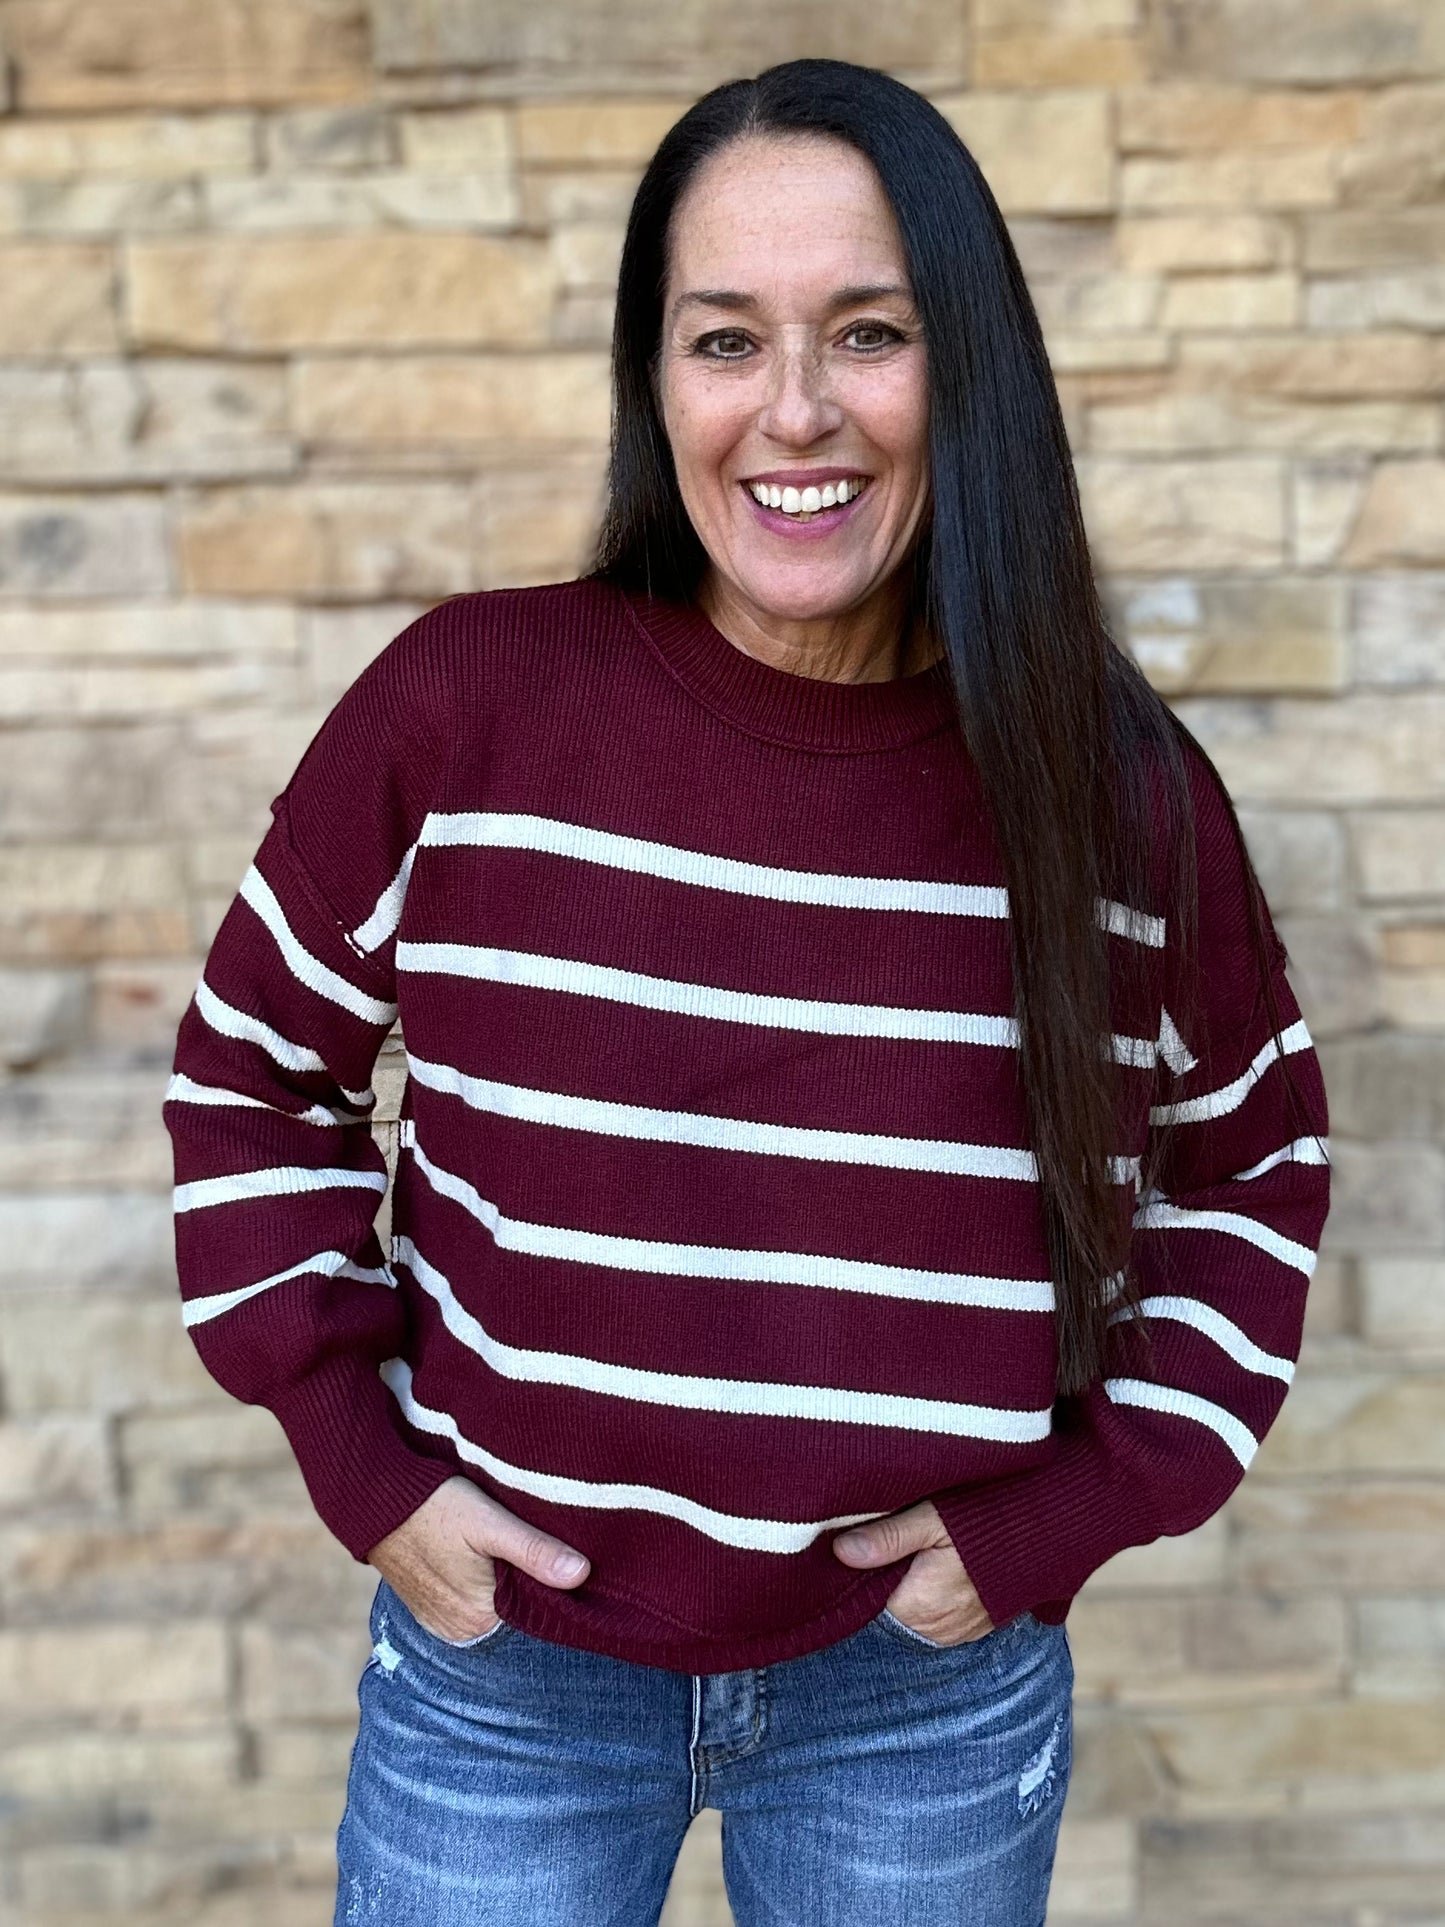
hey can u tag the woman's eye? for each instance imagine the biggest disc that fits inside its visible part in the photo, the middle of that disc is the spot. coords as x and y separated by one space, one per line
726 345
881 334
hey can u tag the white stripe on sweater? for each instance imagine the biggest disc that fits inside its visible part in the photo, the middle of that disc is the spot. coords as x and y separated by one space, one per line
1229 1097
502 829
306 969
1160 1214
1300 1150
727 1528
532 971
284 1180
1213 1323
611 1119
185 1090
1165 1398
227 1021
752 1397
723 1261
331 1264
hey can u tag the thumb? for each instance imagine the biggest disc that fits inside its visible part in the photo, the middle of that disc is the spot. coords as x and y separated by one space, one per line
880 1541
521 1544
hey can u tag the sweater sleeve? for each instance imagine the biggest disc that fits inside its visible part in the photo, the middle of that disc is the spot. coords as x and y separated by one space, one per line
284 1287
1224 1245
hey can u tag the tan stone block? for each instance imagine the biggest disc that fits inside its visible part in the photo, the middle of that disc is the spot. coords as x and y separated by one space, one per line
1213 1751
1335 973
83 54
53 1464
1047 60
88 1123
1400 853
1344 240
1388 1866
1325 497
137 146
1119 1649
1246 1634
1276 633
328 539
538 524
1224 514
98 206
615 43
301 139
1401 519
1186 421
1095 1875
80 1766
605 133
1402 1303
1300 856
551 198
153 419
1413 981
1240 301
1349 366
1384 1086
1398 156
992 18
468 401
1381 1535
1301 177
71 784
224 1458
83 546
1401 1648
1403 298
1272 41
587 253
1099 301
158 632
1089 354
282 203
1330 1304
1357 1423
1398 623
338 643
123 1351
1387 1197
286 1755
136 1006
1187 117
57 298
1167 1564
458 140
301 1672
1377 748
1185 243
1049 152
176 1672
337 291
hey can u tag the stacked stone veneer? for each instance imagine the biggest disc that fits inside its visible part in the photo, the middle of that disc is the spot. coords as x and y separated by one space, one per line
303 316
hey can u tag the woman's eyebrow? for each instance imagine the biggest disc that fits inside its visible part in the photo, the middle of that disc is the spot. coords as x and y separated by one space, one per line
842 298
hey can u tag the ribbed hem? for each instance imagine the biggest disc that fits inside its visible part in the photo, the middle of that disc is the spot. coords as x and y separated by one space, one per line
1029 1541
363 1478
549 1612
804 712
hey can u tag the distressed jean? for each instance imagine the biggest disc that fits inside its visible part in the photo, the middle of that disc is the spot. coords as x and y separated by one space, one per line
884 1780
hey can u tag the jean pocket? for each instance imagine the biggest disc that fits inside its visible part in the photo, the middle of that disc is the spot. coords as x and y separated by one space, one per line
493 1635
901 1630
478 1639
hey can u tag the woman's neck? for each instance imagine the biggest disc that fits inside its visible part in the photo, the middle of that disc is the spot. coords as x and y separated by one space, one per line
872 643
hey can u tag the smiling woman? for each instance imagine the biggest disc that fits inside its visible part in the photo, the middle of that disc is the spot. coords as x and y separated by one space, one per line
861 1159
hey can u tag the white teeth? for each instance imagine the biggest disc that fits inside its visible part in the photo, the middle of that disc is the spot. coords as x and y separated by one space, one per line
806 501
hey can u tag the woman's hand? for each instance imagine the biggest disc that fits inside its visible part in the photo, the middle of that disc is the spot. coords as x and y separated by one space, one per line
439 1560
936 1596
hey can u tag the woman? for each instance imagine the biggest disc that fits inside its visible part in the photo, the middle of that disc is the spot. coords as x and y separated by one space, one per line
852 1081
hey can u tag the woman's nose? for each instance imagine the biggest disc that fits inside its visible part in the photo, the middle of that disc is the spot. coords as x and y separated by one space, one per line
799 406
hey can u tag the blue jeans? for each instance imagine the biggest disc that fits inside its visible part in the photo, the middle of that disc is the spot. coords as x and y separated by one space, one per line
883 1780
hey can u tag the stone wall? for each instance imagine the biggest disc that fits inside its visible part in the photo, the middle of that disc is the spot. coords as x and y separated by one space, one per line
303 317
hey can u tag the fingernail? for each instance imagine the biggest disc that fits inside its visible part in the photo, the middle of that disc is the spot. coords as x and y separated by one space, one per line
568 1565
847 1542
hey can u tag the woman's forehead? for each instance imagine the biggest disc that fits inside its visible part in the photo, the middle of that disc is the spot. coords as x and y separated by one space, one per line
787 213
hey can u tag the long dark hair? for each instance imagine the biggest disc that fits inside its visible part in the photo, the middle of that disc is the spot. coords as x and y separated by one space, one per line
1078 756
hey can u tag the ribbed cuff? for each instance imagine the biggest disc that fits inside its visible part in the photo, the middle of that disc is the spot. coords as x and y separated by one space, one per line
363 1475
1033 1538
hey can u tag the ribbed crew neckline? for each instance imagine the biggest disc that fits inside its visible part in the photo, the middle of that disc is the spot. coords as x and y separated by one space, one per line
806 712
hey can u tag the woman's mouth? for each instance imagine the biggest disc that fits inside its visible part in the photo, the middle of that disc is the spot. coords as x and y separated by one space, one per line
802 504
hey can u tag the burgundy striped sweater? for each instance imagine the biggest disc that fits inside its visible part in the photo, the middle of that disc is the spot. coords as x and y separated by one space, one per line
715 1225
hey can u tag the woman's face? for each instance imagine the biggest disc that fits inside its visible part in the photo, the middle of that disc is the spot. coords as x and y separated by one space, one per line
791 358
